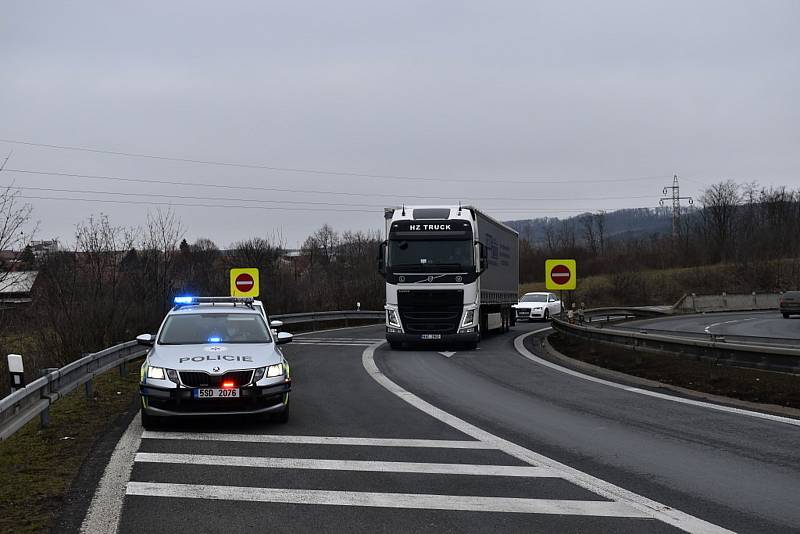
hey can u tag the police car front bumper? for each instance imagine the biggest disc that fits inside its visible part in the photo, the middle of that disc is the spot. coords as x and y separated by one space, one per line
162 402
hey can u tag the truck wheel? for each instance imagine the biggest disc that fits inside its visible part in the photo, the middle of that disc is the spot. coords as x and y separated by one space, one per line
395 345
785 315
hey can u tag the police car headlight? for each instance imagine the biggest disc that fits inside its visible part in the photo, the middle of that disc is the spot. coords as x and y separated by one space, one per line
275 370
158 373
258 374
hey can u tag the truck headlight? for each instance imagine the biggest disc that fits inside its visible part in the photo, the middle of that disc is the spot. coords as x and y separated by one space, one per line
469 318
392 319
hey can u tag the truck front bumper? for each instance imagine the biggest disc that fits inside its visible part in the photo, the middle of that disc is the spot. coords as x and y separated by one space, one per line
179 402
445 339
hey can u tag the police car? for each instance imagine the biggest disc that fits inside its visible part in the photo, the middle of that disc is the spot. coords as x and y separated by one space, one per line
215 356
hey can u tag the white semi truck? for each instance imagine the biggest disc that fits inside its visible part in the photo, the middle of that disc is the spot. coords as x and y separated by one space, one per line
452 274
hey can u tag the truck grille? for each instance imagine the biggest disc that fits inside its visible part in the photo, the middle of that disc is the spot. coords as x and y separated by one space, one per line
200 379
431 311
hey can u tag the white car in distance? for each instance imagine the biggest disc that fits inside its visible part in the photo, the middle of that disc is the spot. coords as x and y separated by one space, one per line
537 306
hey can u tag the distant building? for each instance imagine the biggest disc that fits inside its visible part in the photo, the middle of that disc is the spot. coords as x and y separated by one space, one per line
16 287
43 248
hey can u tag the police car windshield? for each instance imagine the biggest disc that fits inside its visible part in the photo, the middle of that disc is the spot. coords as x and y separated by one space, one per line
534 298
204 328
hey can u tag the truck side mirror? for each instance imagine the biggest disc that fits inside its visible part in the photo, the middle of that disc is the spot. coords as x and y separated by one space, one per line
382 258
483 262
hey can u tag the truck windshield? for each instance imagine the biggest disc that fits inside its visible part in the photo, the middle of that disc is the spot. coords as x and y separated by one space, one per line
431 255
203 328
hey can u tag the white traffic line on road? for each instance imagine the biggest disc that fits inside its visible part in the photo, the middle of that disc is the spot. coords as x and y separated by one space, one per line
331 344
318 440
707 329
334 329
345 465
622 497
519 344
447 354
386 500
103 514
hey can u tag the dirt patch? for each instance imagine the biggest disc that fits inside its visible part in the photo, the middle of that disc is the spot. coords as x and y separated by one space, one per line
745 384
37 466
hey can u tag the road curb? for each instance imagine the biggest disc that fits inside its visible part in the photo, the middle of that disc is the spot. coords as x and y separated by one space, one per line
616 376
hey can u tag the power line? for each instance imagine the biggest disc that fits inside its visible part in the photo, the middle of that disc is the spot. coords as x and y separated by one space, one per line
395 197
264 208
323 172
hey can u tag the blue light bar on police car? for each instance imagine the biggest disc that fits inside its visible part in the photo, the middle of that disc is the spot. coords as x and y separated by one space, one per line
184 300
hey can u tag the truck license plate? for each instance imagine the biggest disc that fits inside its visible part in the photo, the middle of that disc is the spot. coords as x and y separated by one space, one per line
215 393
431 336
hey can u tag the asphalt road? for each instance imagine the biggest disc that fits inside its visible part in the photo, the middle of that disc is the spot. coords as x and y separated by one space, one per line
769 326
479 441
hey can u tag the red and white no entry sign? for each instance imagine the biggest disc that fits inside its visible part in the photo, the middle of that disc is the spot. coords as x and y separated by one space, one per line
244 282
560 274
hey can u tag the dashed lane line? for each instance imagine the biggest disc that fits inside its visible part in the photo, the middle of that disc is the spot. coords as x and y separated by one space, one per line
318 440
386 500
625 499
519 344
345 465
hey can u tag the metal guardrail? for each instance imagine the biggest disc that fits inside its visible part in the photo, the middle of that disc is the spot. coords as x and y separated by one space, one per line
320 317
718 350
35 399
25 404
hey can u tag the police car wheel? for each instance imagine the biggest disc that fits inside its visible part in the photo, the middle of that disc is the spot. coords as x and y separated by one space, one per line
149 422
547 315
282 417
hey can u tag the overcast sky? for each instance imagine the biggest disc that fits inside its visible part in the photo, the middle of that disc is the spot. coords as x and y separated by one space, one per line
571 93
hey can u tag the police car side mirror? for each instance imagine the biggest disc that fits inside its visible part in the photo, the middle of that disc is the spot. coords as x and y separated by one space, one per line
146 339
284 337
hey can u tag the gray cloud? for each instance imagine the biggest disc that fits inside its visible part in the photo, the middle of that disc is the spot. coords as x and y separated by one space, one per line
440 89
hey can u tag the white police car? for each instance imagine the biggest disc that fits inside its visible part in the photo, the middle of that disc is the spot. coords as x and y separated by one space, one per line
214 356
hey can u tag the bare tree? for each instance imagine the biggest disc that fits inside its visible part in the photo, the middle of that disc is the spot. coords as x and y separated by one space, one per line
587 223
720 203
14 220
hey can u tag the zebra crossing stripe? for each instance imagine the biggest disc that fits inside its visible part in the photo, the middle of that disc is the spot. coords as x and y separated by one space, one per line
385 500
346 465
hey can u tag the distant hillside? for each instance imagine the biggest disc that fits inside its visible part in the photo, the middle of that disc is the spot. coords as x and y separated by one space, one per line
619 225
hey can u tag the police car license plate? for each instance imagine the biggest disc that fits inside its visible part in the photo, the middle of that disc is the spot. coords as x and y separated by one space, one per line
431 336
216 393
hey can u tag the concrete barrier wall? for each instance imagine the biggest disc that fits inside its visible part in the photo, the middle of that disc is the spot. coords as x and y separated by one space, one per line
726 302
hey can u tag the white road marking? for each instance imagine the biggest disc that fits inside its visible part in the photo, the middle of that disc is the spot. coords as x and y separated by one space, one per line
335 329
331 344
646 507
385 500
346 465
447 354
707 329
318 440
519 344
103 514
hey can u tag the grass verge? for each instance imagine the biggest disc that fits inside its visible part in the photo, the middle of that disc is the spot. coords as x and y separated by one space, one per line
751 385
37 466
